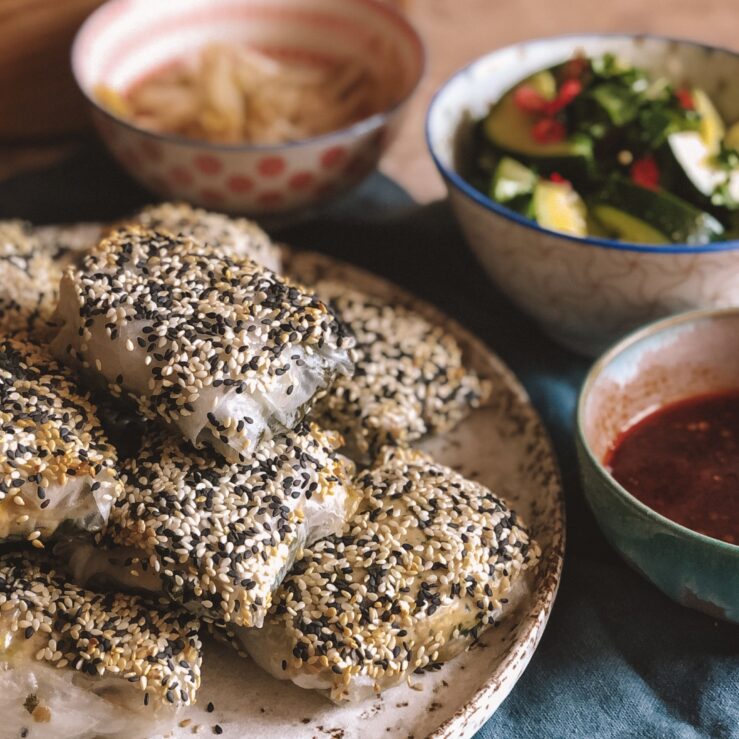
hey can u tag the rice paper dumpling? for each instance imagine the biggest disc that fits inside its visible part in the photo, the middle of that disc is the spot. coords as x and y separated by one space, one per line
232 237
429 562
219 537
75 664
29 282
409 379
57 468
223 350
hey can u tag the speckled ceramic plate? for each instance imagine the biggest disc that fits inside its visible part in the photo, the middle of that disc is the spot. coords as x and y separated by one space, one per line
504 446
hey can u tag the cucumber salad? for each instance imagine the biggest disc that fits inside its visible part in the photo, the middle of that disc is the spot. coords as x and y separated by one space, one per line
597 147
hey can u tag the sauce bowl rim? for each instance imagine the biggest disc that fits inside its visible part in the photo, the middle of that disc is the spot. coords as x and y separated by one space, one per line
647 331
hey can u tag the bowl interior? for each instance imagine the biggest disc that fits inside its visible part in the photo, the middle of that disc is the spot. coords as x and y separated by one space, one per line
679 357
126 40
468 95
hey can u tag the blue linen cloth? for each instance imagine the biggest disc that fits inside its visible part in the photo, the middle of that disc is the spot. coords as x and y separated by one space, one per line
618 659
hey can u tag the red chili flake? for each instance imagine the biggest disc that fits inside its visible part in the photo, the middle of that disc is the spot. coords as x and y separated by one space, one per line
569 90
645 173
685 98
557 177
548 131
529 100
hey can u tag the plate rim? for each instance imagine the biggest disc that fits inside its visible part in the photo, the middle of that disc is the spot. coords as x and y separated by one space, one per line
468 718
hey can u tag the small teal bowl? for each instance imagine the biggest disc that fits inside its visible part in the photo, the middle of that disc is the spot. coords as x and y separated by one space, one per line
676 358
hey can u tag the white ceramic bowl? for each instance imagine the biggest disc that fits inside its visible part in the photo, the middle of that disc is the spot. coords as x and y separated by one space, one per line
124 40
585 292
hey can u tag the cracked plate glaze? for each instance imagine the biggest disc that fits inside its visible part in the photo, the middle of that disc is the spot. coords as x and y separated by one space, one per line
503 445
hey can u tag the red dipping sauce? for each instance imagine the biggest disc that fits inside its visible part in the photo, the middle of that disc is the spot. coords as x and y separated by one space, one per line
683 462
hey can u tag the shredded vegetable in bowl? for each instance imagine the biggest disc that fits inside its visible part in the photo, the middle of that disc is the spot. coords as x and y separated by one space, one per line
230 94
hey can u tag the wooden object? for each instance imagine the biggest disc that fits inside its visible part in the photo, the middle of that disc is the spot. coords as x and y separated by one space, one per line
39 97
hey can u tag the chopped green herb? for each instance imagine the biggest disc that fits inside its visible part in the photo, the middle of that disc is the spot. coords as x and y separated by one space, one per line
600 118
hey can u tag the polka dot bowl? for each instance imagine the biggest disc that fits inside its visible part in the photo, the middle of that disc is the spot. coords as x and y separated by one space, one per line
586 293
125 40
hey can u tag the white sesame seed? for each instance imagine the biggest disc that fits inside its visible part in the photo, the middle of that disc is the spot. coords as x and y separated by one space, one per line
373 587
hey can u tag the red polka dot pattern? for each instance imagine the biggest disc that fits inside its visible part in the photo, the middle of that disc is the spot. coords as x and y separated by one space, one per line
208 164
271 166
333 157
246 181
301 181
181 176
239 183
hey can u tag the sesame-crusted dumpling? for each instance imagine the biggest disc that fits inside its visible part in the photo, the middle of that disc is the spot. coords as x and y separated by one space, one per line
29 281
219 537
409 377
67 243
56 466
429 561
232 237
223 350
78 664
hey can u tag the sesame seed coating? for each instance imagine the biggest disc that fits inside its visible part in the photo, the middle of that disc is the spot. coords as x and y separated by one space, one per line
29 279
56 465
428 562
224 350
409 377
67 243
233 237
42 615
219 536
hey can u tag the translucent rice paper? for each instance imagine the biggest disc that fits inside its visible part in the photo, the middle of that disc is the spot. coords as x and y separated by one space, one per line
224 351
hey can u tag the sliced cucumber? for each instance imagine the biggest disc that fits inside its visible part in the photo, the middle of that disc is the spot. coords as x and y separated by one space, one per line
625 227
511 179
691 165
509 130
557 206
691 155
599 229
693 170
667 215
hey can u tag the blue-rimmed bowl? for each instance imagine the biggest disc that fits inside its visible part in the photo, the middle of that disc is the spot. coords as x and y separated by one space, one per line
585 292
683 356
